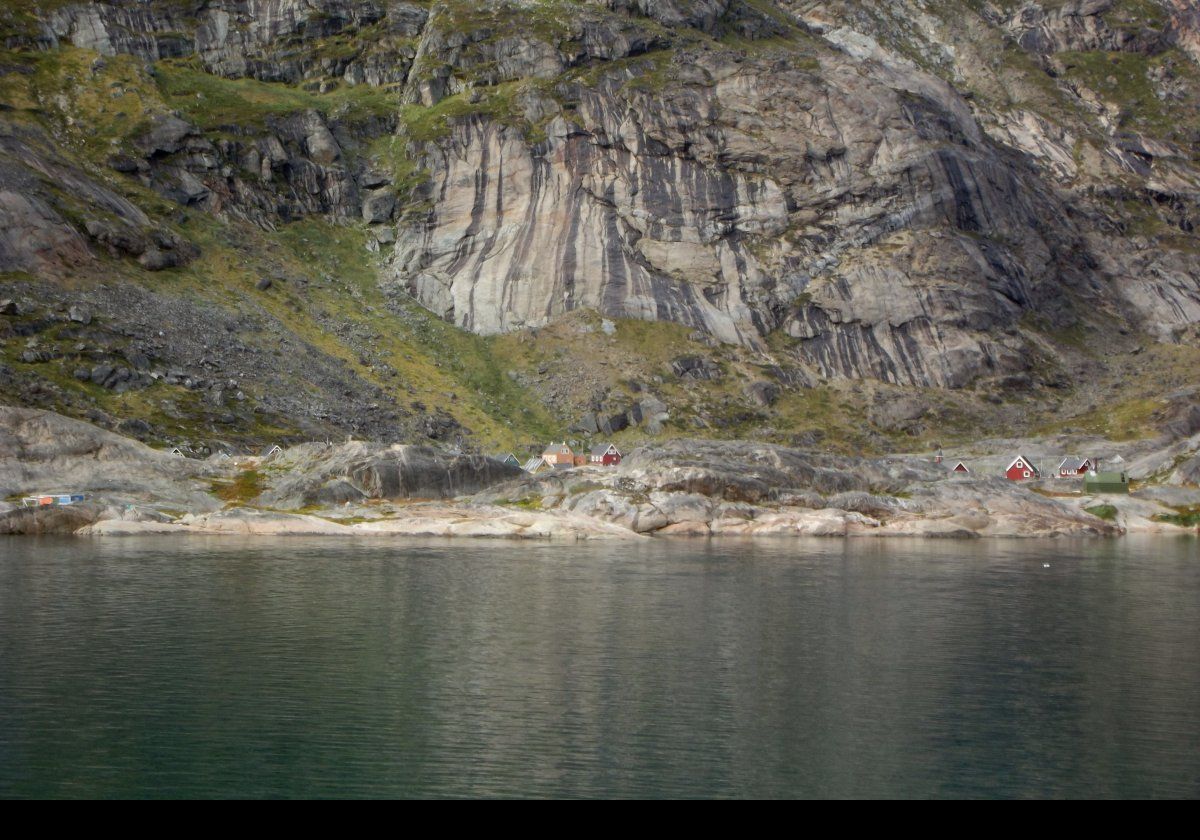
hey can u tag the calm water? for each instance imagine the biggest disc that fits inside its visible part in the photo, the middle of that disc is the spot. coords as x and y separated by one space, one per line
316 667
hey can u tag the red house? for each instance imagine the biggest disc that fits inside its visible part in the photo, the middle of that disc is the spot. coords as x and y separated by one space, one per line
1072 467
960 467
1021 469
605 454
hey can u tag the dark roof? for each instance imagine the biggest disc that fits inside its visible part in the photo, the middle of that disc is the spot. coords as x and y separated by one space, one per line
603 448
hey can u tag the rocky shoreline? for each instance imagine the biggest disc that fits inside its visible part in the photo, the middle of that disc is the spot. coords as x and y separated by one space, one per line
677 488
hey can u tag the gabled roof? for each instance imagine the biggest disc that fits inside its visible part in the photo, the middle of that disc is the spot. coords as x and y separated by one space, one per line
604 448
1074 462
958 464
1031 465
271 450
533 463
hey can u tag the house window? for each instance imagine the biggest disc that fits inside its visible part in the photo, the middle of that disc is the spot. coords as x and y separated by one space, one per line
1027 473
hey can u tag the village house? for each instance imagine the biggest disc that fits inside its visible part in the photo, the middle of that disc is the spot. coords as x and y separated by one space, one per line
271 452
509 459
1073 467
960 468
606 454
559 454
1021 469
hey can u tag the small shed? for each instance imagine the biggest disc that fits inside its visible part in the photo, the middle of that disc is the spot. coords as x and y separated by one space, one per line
538 465
1021 469
606 454
1106 482
271 452
960 468
509 459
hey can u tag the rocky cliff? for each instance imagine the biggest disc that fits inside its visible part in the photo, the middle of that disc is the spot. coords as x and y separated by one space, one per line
911 193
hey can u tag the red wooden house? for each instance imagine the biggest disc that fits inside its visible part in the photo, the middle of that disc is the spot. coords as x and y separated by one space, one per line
1021 469
960 467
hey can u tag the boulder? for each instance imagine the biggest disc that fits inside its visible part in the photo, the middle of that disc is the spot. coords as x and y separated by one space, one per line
695 367
378 206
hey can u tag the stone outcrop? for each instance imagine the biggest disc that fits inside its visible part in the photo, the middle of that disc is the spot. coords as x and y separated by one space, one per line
699 488
1079 25
289 41
44 452
315 474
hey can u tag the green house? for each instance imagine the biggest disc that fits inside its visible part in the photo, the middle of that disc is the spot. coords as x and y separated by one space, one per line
1106 482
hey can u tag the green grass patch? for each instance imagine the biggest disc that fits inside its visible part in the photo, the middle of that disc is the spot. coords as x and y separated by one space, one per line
245 488
214 102
1105 512
1184 517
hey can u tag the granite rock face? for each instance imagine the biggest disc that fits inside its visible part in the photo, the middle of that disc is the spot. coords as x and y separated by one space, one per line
897 189
749 195
271 40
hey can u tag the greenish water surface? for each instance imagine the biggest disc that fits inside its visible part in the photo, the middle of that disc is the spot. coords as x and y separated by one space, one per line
223 667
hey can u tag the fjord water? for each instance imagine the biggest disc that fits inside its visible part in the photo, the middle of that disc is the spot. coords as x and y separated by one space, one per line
223 667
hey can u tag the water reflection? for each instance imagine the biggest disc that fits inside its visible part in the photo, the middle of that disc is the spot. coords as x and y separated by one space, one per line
772 668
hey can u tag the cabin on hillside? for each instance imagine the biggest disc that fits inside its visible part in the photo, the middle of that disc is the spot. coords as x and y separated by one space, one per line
606 455
559 454
1022 469
271 452
1106 482
509 459
960 468
1073 467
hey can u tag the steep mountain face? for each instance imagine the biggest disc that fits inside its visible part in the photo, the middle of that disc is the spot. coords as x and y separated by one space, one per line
866 215
927 194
